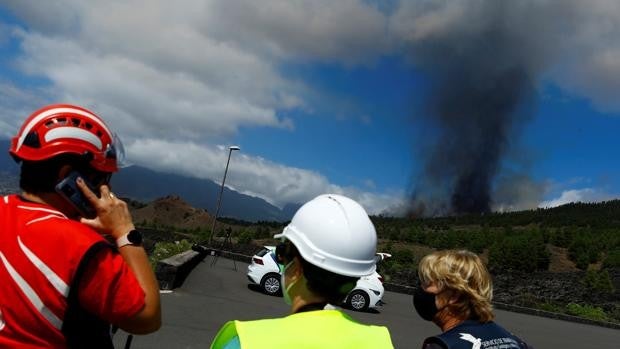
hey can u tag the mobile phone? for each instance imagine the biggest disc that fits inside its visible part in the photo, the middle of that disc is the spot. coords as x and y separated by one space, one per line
68 189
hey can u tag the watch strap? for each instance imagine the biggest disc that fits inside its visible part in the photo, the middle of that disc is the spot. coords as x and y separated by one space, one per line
125 239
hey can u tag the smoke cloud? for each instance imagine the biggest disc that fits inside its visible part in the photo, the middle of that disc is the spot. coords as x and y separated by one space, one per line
483 66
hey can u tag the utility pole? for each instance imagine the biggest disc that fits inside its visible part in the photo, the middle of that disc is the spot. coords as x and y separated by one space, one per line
219 198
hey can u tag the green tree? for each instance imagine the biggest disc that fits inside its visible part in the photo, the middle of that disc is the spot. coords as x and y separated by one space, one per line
403 257
599 281
245 236
477 241
585 248
612 259
523 252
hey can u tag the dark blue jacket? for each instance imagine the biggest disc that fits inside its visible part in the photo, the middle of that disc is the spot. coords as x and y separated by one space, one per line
475 335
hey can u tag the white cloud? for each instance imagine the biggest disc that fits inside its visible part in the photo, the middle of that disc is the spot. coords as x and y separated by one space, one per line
210 67
147 99
252 175
189 75
572 43
578 195
348 31
176 79
225 48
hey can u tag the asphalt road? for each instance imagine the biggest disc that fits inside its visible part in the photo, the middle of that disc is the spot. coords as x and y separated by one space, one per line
211 296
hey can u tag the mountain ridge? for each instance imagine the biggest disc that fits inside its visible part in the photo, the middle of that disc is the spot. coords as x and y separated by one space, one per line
145 185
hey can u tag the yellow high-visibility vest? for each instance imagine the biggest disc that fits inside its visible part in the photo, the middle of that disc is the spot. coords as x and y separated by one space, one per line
307 330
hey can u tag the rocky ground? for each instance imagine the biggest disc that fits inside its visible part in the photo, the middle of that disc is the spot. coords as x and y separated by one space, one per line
543 289
554 288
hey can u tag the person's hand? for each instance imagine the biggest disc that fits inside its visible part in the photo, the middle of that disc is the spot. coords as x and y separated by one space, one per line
113 217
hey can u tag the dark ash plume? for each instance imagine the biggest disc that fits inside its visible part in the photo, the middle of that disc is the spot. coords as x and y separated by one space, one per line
482 91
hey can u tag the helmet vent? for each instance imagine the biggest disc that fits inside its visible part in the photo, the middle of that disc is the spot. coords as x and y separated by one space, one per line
88 125
32 140
56 122
75 122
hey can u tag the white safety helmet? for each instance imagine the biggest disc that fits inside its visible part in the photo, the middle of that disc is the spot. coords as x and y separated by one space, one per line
334 233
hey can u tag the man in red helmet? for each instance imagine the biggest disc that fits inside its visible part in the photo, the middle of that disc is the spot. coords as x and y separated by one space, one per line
61 282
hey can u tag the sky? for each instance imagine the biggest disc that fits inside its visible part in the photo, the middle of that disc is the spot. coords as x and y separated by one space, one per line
382 101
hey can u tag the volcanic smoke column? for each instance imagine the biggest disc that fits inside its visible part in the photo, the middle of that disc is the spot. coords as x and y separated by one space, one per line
482 89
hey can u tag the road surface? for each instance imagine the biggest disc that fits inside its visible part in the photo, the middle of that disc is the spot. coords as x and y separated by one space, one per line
211 296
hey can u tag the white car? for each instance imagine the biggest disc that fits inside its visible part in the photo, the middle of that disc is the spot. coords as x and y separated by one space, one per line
264 271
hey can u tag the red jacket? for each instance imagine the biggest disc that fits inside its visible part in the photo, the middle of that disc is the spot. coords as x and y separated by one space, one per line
40 252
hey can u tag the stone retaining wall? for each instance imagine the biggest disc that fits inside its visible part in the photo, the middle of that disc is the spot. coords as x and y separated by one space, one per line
515 308
172 271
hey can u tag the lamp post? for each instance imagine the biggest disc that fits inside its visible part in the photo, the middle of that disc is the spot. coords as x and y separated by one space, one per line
219 198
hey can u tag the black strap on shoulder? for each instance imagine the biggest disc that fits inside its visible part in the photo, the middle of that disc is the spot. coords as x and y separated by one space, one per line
81 328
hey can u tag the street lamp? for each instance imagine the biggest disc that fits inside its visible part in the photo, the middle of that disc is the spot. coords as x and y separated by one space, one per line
219 198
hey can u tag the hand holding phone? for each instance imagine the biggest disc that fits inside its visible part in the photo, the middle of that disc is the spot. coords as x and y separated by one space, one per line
68 189
112 216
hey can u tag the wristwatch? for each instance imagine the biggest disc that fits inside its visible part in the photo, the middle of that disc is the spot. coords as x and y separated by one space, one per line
134 237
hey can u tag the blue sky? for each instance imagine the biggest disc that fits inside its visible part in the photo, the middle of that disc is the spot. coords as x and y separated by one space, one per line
321 96
574 140
574 146
360 136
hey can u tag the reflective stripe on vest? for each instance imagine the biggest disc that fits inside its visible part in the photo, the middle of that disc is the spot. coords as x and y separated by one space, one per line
308 330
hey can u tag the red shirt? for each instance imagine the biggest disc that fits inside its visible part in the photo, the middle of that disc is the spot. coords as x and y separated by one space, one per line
40 250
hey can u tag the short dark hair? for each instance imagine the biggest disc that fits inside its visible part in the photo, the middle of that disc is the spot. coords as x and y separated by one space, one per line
329 285
333 287
42 176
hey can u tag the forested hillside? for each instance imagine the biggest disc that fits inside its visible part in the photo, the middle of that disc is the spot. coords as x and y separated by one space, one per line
564 259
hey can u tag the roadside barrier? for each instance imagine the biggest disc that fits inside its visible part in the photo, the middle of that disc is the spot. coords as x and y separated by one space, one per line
172 271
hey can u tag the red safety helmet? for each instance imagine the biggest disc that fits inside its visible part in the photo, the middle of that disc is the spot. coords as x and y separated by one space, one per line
63 128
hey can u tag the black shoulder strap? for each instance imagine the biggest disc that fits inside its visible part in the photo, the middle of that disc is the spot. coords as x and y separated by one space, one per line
81 328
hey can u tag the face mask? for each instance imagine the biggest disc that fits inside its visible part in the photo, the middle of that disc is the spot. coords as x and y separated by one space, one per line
286 288
424 303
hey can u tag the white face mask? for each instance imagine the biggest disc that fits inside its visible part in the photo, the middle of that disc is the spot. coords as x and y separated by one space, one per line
285 287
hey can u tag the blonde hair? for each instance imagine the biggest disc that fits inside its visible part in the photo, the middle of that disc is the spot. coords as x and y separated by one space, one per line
463 273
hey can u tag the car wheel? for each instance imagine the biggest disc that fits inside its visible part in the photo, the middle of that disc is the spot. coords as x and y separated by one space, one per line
271 284
358 300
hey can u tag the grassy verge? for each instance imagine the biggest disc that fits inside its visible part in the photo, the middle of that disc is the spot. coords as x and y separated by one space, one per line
580 310
164 250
